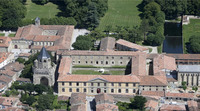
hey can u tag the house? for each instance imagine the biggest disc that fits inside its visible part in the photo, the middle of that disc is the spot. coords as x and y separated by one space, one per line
5 44
78 102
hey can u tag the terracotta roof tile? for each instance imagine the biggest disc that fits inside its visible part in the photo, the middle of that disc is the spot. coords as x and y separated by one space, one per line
185 56
180 95
106 107
192 105
78 98
65 66
4 56
131 45
46 38
5 79
5 41
153 93
107 43
167 107
110 78
151 104
104 97
153 80
138 65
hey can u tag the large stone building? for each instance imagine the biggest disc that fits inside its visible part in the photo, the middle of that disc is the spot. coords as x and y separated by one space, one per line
44 69
138 80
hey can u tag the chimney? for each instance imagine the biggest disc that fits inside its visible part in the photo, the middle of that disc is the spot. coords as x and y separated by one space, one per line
37 21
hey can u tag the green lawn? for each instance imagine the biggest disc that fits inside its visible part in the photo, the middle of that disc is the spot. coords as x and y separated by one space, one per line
2 34
193 28
92 72
122 13
48 10
11 35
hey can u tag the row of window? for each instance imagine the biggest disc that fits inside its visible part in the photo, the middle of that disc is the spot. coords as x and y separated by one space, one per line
98 84
91 57
98 62
92 91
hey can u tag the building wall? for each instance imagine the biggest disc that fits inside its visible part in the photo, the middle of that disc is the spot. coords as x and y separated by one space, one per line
9 59
21 44
152 88
65 87
101 60
191 78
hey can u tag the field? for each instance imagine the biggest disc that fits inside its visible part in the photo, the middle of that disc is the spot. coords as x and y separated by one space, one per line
193 28
92 72
48 10
121 13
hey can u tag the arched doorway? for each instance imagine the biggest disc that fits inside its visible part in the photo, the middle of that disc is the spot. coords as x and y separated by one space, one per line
98 90
44 81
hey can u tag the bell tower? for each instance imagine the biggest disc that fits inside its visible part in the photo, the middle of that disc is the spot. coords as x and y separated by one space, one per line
44 69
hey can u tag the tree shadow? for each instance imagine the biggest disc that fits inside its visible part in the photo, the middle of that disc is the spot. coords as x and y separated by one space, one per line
188 47
141 9
61 6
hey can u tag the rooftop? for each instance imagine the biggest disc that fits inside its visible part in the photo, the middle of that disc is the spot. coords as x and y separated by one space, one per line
5 41
43 54
107 43
167 107
189 68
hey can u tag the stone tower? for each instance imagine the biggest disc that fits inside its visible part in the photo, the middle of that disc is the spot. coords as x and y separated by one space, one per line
43 70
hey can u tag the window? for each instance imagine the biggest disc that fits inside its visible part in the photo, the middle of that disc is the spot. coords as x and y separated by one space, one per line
106 62
86 62
63 83
105 84
77 89
45 61
63 89
121 57
84 83
70 89
104 91
126 84
92 90
16 47
73 61
133 84
98 84
79 62
107 57
112 84
70 84
112 57
133 90
85 90
29 46
119 90
97 62
120 62
119 84
113 62
91 62
126 90
112 90
92 84
77 84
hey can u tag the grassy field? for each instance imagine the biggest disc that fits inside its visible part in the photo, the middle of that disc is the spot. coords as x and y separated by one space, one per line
2 34
191 29
92 72
122 13
48 10
11 35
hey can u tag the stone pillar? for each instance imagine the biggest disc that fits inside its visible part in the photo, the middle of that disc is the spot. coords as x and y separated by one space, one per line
194 79
189 80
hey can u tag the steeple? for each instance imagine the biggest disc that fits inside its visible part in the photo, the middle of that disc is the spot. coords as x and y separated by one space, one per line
43 54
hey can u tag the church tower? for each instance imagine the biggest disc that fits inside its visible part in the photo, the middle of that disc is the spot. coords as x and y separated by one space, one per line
43 69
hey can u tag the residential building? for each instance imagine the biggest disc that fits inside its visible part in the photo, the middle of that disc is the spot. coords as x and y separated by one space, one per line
5 44
6 58
78 102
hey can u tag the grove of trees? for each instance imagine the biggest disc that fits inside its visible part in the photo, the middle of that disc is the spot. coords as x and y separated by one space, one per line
194 44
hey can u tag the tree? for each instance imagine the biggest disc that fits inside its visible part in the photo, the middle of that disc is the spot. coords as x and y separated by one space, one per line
41 2
45 102
108 29
194 42
138 102
83 43
20 60
30 100
40 88
195 88
184 85
144 27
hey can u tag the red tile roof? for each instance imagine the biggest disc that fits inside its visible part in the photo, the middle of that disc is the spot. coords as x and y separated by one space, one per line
151 104
192 105
131 45
185 56
106 107
107 43
104 97
153 93
4 56
138 65
65 66
180 95
163 62
110 78
5 41
5 79
167 107
153 80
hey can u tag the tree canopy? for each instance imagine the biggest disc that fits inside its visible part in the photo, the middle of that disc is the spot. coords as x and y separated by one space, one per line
194 42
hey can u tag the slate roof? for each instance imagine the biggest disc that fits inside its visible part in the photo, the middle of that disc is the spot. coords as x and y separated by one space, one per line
43 54
189 68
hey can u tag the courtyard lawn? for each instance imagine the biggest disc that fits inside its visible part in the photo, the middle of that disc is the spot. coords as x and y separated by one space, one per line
121 13
2 34
193 28
92 72
48 10
11 35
